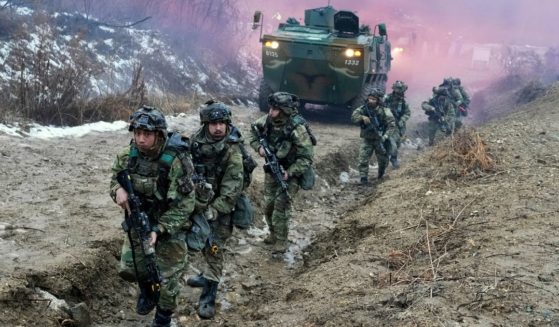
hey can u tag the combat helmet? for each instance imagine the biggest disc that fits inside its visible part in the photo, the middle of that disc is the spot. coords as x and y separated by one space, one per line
447 81
399 87
215 111
440 91
148 118
376 93
287 102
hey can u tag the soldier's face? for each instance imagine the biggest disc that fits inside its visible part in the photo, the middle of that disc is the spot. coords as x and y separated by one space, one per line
217 129
372 101
274 112
144 139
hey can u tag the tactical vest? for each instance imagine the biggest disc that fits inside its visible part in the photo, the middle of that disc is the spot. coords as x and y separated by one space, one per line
396 107
377 127
276 138
209 160
150 177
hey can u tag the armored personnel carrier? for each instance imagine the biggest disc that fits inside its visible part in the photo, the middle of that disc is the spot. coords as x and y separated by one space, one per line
328 60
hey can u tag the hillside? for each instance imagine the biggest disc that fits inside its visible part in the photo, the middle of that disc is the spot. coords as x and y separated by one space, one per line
44 53
432 247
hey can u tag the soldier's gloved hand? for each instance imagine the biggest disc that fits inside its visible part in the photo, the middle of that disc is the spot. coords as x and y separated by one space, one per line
204 192
211 214
401 124
366 120
384 137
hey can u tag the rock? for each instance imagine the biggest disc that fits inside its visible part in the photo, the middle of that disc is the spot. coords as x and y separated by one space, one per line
344 177
80 314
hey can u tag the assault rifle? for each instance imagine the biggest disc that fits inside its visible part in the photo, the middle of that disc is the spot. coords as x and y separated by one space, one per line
374 127
138 221
272 165
439 118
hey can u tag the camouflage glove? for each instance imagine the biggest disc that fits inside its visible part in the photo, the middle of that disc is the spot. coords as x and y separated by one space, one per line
366 120
204 192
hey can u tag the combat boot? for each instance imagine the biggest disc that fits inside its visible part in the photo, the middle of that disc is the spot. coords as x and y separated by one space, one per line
206 309
270 239
146 299
197 281
381 171
394 161
364 180
162 318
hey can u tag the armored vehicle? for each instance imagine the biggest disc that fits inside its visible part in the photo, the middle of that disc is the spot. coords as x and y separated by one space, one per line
330 60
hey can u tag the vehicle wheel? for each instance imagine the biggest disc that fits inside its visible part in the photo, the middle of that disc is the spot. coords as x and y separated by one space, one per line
263 93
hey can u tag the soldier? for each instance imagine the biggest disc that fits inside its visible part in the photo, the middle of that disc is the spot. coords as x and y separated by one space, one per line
401 111
459 97
217 157
289 139
441 112
461 100
377 126
161 174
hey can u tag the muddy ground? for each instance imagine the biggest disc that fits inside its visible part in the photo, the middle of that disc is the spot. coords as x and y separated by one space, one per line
434 243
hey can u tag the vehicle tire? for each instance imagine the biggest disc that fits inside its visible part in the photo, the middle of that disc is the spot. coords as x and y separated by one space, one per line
263 92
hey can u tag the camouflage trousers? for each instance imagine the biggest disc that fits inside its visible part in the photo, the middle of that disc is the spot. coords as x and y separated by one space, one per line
366 150
401 135
170 255
278 206
434 129
222 228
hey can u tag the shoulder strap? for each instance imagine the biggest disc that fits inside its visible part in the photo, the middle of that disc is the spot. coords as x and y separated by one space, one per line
297 120
177 146
132 156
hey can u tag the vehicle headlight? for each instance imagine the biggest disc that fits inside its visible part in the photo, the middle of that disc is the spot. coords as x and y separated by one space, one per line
271 44
350 53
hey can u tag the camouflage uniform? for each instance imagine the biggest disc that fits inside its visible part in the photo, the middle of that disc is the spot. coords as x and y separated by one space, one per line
293 147
459 97
401 111
442 113
374 137
168 205
221 163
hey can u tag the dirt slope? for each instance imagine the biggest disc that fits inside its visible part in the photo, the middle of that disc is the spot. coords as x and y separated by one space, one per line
431 247
427 246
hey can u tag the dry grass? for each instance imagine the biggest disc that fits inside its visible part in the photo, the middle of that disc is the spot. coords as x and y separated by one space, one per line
467 149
